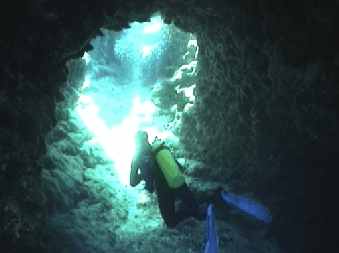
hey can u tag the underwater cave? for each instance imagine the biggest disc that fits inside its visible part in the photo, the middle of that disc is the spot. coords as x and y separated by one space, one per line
243 94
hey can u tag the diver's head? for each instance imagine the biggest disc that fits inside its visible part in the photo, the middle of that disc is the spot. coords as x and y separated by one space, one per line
141 138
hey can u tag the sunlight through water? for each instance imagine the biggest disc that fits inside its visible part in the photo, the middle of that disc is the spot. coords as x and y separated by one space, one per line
117 141
103 101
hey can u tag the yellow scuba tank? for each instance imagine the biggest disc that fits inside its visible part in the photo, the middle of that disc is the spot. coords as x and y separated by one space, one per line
168 165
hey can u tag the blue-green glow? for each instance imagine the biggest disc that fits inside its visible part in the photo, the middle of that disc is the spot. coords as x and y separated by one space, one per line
147 50
154 26
117 141
141 41
113 112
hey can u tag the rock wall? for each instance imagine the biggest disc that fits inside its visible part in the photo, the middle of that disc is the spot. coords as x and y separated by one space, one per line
83 199
274 67
266 98
38 38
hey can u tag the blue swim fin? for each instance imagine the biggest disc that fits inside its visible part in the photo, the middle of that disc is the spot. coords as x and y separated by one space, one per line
212 235
248 206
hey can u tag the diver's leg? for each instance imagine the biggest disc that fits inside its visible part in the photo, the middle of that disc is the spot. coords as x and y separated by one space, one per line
185 194
166 206
190 207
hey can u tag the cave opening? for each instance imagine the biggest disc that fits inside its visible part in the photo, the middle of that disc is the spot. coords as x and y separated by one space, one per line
124 76
142 77
252 116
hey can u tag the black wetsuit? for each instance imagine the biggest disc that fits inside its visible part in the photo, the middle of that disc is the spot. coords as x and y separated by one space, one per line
167 196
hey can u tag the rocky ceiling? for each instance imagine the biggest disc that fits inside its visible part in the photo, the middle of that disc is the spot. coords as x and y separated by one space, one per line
272 65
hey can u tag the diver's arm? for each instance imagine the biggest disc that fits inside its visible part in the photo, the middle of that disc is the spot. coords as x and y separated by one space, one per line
135 177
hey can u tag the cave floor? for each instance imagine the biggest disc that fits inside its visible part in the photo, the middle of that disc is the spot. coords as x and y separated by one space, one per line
144 231
135 225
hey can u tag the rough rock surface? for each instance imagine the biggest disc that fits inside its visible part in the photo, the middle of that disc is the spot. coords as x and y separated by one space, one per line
89 210
272 65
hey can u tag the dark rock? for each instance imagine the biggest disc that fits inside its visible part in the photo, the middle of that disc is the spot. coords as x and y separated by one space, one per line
267 98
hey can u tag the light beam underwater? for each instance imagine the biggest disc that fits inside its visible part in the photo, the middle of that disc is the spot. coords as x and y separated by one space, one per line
117 141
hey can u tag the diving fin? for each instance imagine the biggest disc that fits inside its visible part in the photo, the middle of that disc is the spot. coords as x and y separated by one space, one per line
248 206
212 240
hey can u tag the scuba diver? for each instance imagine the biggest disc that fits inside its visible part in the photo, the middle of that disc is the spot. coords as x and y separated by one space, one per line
162 173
